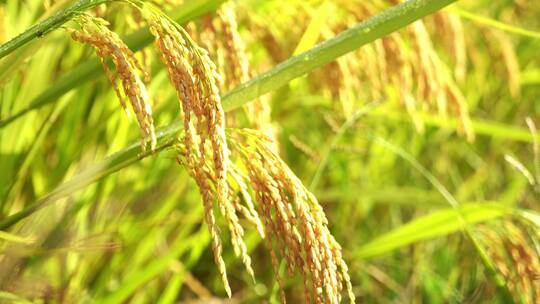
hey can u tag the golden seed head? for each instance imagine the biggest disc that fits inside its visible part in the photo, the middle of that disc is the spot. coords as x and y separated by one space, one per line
255 184
294 222
405 63
94 31
195 79
511 245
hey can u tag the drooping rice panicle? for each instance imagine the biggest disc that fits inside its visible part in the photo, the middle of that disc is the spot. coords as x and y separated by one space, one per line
107 44
221 36
294 221
404 64
514 249
195 79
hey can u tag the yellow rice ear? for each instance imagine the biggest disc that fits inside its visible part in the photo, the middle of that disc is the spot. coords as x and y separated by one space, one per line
109 45
193 75
294 222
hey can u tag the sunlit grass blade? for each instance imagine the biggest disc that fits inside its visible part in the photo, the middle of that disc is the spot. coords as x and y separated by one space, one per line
13 298
173 288
436 224
495 23
47 25
531 217
24 167
9 237
487 128
313 31
12 63
457 208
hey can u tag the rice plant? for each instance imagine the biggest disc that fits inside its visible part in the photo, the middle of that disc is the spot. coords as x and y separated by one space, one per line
310 151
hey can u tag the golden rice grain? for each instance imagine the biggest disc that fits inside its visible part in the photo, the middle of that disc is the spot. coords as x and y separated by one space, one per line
513 249
108 44
196 80
295 222
403 64
220 35
287 215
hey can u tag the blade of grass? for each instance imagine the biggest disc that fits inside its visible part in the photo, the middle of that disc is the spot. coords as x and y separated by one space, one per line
436 224
25 164
480 127
14 61
158 266
495 24
15 238
47 25
313 31
531 217
173 288
325 155
13 298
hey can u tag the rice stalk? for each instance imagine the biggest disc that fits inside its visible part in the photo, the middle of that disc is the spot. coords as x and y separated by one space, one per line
286 215
506 50
453 36
2 25
304 148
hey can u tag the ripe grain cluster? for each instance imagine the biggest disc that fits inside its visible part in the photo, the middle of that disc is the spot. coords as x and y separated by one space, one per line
250 181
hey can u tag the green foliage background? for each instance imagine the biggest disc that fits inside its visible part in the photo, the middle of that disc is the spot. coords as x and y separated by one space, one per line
138 235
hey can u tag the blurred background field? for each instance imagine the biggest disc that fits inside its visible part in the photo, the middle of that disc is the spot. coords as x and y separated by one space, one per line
421 147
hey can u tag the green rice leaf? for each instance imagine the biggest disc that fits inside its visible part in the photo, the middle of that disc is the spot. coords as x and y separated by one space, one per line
436 224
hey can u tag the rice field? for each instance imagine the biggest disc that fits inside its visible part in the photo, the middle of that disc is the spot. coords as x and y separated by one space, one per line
249 151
